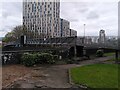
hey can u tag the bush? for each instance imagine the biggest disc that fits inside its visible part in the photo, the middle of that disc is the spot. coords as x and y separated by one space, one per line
99 53
69 61
38 58
47 58
55 57
28 59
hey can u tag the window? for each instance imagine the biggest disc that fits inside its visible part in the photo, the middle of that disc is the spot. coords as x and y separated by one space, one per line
32 7
48 5
48 12
38 3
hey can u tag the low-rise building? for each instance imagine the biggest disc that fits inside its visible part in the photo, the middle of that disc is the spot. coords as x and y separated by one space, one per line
73 32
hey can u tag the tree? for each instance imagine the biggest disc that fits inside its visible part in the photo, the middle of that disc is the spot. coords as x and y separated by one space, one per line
8 37
17 32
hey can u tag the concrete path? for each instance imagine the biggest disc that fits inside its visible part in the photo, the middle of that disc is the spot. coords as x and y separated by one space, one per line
55 76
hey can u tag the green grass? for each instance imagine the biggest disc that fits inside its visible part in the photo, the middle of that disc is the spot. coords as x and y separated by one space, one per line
109 54
96 75
113 59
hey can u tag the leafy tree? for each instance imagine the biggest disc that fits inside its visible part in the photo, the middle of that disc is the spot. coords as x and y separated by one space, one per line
99 53
8 37
18 31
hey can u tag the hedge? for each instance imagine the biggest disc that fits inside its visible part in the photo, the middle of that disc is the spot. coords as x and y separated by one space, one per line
38 58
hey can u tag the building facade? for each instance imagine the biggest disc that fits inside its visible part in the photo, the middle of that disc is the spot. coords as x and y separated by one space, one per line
42 18
73 32
102 36
65 28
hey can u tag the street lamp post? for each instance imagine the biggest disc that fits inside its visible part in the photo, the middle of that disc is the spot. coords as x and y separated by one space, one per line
84 30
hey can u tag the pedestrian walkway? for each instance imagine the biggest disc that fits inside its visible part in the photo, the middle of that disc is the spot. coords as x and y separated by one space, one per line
55 76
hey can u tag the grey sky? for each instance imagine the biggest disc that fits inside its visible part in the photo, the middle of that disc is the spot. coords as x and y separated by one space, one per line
96 16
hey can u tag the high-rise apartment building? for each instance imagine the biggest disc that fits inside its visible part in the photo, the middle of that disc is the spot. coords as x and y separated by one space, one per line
102 36
42 17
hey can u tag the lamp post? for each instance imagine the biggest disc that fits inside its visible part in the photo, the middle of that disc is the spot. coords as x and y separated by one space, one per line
84 30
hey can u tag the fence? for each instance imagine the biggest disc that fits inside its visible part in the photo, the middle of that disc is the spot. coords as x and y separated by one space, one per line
11 58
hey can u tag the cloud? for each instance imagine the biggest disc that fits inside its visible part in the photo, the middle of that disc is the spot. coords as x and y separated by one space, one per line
73 20
96 15
83 10
92 15
5 14
11 16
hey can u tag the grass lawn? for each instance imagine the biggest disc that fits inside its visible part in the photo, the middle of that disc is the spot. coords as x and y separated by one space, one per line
113 59
96 75
109 54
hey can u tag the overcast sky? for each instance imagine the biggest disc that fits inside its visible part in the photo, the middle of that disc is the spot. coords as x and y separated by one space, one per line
96 16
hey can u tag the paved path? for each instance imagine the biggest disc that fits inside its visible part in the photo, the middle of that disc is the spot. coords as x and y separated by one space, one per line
55 76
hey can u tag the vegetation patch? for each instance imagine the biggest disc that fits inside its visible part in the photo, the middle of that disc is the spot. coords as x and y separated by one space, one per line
29 59
99 53
113 59
109 54
96 75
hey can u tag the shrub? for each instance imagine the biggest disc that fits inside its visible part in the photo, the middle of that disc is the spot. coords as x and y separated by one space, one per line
37 58
55 57
99 53
69 61
47 58
28 59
